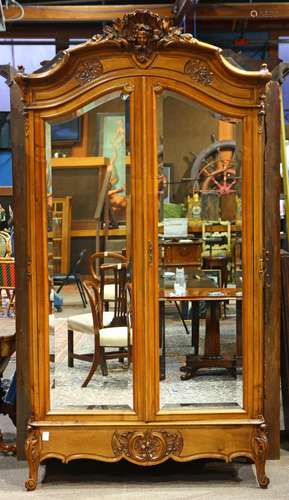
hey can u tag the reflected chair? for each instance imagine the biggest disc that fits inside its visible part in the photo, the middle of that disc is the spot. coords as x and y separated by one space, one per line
7 280
72 277
111 278
105 335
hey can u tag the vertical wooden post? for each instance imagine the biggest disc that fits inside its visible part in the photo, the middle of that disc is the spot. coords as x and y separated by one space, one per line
21 258
272 278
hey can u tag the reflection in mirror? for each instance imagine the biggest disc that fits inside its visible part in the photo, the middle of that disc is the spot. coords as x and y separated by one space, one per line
200 255
88 189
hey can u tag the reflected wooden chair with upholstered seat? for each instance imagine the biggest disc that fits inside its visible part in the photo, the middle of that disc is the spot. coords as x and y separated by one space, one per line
105 335
108 269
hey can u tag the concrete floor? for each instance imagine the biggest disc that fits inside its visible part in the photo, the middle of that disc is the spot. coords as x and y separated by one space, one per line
85 480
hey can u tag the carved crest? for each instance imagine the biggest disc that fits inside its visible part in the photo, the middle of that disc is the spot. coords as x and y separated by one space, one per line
147 446
199 71
142 32
88 71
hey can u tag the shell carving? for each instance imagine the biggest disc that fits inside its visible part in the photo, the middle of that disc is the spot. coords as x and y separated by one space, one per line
147 446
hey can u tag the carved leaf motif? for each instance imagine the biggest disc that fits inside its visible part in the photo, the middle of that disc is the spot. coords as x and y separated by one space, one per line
147 446
88 71
260 441
199 71
260 449
261 113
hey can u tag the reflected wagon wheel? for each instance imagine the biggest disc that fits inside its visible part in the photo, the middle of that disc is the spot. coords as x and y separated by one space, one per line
219 176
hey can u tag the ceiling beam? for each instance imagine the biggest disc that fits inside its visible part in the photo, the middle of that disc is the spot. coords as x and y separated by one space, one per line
80 13
218 11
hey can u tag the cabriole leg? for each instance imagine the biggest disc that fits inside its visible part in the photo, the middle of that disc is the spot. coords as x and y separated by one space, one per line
260 447
32 448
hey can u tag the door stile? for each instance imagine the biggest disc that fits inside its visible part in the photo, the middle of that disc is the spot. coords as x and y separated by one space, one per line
141 238
42 290
32 320
252 253
272 272
152 89
248 265
259 264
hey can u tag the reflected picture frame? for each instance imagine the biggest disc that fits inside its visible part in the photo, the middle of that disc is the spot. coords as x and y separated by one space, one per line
66 133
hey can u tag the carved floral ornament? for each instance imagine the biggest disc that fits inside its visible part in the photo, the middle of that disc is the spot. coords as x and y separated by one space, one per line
199 71
147 446
88 71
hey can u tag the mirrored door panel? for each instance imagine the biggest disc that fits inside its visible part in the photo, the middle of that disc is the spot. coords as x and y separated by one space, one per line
200 255
89 256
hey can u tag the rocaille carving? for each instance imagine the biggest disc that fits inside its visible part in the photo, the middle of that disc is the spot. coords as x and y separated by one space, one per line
147 446
26 123
143 32
261 112
158 89
128 88
199 71
88 71
260 444
260 449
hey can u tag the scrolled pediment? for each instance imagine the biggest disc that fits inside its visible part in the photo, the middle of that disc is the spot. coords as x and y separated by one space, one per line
142 33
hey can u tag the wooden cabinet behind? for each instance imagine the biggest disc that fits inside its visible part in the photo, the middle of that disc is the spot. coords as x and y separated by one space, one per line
61 239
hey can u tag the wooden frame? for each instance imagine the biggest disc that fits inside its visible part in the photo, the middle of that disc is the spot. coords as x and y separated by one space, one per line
115 63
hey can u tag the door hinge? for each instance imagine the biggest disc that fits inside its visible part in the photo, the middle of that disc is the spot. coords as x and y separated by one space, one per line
150 252
263 271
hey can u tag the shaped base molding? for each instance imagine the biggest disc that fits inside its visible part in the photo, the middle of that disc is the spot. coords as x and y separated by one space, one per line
146 445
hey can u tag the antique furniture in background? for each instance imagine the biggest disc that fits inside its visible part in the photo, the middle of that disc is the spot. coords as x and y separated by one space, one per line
72 277
7 280
61 229
106 334
7 348
145 61
109 271
285 337
5 244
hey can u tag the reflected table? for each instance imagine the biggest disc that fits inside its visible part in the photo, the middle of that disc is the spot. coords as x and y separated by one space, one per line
212 356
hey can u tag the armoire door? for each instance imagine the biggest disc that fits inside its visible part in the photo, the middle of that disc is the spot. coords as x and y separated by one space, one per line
206 312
